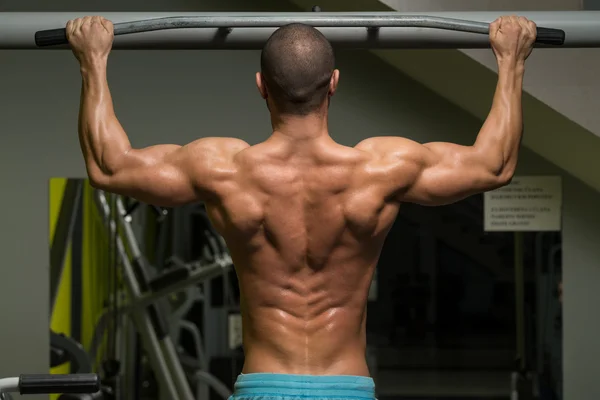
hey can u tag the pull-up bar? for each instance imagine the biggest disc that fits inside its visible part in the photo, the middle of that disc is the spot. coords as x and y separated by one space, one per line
54 37
137 30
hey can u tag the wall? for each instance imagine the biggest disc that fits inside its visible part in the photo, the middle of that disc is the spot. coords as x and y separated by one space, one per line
591 5
178 96
573 87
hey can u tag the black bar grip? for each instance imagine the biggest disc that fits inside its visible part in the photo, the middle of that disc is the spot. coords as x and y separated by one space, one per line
58 384
51 37
551 36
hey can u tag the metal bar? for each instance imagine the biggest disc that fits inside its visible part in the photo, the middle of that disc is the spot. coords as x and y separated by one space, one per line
520 299
539 301
77 275
130 239
8 385
17 30
389 20
172 359
62 235
197 276
214 383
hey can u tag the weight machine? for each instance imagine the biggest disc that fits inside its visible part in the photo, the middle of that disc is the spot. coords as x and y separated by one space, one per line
148 308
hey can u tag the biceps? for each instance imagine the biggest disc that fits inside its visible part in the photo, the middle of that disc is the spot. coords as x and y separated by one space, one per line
160 184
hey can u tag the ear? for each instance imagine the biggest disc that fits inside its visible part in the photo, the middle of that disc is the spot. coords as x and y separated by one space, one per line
260 84
333 84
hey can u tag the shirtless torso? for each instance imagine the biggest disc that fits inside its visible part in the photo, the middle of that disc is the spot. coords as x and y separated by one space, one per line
305 228
304 218
305 222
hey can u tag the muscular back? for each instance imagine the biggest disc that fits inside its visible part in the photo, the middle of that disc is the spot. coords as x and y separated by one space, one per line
304 219
305 225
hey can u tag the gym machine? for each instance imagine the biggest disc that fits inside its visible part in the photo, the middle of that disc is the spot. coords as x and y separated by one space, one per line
146 309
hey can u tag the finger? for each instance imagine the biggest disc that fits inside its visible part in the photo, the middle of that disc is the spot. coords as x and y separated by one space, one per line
77 25
532 28
526 24
85 22
494 26
69 28
109 26
96 20
500 22
526 31
523 22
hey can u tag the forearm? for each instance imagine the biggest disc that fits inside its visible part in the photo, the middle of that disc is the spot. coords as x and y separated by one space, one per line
499 140
103 140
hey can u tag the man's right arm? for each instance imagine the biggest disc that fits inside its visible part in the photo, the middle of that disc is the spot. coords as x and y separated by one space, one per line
442 173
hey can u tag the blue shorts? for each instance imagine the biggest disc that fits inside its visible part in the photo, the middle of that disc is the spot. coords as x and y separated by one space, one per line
290 387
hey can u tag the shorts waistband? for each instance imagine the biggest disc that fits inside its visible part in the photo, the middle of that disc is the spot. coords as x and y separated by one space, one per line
320 386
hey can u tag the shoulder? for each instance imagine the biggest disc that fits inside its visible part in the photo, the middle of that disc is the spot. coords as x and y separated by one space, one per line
390 148
221 144
217 148
393 162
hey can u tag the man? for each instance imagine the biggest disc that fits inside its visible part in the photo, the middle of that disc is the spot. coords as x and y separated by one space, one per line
304 217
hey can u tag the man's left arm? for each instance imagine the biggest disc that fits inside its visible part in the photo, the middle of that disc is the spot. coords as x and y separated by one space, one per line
166 175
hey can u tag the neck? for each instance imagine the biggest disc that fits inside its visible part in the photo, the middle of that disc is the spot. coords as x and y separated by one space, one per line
305 127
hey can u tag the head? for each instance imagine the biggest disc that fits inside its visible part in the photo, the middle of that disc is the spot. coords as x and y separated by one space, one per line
297 75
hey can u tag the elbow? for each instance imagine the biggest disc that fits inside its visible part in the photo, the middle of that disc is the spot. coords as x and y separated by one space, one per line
502 170
97 183
505 176
98 180
98 177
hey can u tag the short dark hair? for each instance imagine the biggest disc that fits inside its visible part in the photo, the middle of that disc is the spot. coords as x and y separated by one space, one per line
297 63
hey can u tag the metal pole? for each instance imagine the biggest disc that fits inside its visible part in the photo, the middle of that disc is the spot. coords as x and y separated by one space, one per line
520 299
141 319
17 30
540 311
169 353
65 225
199 275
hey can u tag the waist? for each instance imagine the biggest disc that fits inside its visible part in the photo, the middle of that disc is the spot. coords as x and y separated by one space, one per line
317 386
313 360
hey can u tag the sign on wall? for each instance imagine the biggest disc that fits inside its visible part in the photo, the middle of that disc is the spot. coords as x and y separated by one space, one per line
528 203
